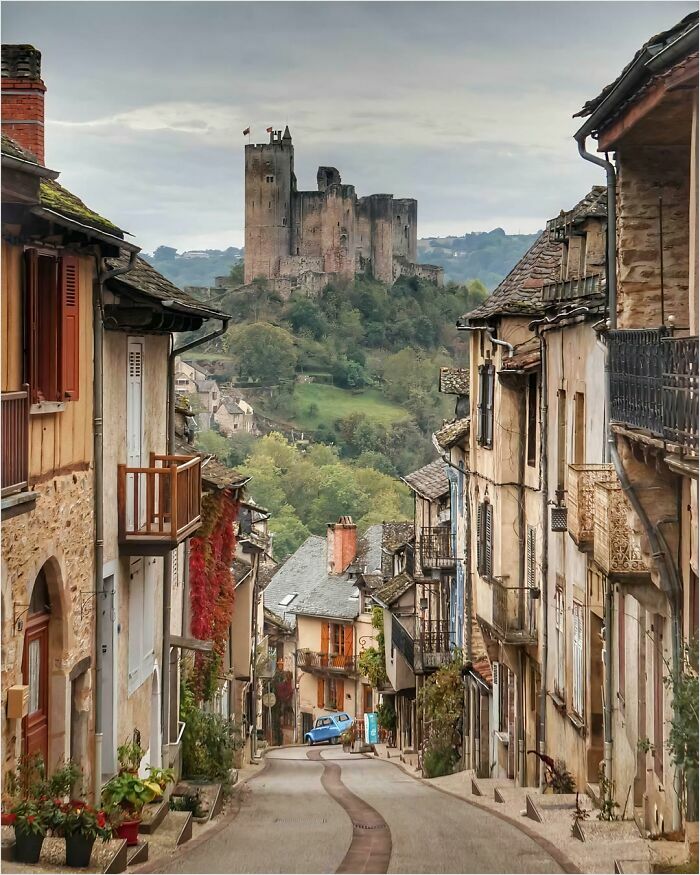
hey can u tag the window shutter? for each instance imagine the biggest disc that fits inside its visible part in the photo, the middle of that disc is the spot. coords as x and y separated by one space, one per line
488 413
347 640
578 658
325 637
320 692
531 570
340 694
488 539
480 408
480 538
69 330
31 268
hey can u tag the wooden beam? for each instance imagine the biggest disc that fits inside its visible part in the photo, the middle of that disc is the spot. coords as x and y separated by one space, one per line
191 644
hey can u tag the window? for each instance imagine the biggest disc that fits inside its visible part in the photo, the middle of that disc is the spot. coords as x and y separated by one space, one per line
579 429
269 179
561 442
577 620
531 446
52 298
288 599
487 374
559 639
366 698
484 539
141 630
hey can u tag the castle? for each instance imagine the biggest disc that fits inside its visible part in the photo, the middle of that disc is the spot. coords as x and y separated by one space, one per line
304 239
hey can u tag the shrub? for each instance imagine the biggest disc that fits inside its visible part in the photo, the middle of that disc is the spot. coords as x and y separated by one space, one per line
439 760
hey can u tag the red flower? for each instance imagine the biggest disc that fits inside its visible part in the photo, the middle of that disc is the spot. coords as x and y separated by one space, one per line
30 818
77 803
101 819
8 819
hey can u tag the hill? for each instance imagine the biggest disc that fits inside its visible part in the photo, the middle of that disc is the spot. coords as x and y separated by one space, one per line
484 255
195 267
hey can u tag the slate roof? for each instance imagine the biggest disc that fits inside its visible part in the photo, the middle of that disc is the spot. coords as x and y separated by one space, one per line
145 280
393 589
231 406
369 549
319 594
454 381
430 481
521 291
452 432
205 385
650 49
592 205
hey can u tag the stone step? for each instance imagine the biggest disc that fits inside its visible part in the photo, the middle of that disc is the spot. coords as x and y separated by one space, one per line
608 831
176 829
638 817
509 793
632 867
593 790
152 815
546 807
487 786
137 853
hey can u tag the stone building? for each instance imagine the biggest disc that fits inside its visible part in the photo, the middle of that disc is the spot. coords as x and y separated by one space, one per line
303 239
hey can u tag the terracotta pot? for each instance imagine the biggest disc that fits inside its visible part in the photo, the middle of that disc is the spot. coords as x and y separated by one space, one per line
27 847
129 830
79 850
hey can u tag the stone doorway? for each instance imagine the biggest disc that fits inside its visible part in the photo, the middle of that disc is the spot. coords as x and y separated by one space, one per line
35 670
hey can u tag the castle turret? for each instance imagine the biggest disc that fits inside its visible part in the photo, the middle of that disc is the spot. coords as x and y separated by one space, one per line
269 174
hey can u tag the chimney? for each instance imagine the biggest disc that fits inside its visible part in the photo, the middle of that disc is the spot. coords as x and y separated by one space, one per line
23 98
341 543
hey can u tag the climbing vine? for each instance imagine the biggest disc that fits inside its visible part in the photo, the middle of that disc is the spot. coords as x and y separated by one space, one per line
212 586
371 661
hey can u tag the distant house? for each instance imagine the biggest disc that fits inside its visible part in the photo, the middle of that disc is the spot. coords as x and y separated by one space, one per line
234 417
186 377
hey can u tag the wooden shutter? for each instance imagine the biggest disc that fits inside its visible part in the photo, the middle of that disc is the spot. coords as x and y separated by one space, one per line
340 694
480 407
31 268
530 562
325 637
488 539
69 328
488 412
347 640
480 538
578 658
320 692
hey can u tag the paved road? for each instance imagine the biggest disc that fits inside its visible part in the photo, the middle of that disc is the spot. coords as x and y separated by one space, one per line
298 816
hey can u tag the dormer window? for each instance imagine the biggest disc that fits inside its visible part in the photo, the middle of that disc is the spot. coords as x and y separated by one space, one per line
288 599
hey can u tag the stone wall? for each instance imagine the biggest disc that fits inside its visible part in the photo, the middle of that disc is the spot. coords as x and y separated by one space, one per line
647 173
58 535
295 265
430 272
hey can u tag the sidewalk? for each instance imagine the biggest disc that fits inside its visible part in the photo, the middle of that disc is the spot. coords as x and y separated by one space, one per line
604 844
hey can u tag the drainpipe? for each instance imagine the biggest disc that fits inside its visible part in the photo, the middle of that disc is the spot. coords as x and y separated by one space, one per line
98 432
168 559
523 606
489 332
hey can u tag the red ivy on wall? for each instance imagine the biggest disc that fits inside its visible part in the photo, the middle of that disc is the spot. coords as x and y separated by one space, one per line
212 585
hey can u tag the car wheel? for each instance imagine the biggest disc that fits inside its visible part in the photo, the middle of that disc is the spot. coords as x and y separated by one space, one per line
335 740
309 742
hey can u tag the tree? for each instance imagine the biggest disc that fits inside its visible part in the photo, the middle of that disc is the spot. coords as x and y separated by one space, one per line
237 272
289 533
265 352
214 443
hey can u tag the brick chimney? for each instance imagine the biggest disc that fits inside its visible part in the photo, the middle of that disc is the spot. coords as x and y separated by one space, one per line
23 98
341 541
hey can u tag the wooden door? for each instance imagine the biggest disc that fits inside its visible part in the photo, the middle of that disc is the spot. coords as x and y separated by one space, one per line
35 673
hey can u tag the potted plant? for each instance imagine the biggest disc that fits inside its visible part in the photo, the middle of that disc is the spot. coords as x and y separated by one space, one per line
158 780
348 737
129 793
29 819
80 824
130 754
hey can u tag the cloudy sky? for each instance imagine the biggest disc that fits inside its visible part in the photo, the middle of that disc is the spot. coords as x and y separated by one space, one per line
464 105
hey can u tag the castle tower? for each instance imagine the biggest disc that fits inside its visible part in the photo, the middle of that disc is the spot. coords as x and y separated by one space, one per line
269 182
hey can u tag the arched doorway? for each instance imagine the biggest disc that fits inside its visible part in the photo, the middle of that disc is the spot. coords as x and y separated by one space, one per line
35 670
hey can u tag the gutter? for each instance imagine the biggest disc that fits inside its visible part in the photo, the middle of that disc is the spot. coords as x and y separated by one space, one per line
490 333
11 162
98 497
74 224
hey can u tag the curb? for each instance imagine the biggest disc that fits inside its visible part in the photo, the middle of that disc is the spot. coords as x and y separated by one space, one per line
559 857
206 834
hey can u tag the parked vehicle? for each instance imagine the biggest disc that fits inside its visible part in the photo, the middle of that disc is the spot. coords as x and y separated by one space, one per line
328 728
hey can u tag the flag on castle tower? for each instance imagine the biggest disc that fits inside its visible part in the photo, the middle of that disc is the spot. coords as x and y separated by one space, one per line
246 131
269 130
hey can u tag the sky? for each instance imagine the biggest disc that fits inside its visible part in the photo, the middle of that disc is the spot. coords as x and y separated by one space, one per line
466 106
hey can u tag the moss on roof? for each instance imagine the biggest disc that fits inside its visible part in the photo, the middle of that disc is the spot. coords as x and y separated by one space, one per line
60 200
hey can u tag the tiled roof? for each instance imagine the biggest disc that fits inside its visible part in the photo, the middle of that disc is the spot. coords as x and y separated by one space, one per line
58 199
430 481
146 280
454 381
369 549
595 203
230 405
526 358
651 48
394 588
241 569
318 593
452 432
482 667
205 385
14 150
521 291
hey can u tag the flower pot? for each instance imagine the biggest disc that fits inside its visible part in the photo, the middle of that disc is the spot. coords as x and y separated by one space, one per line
27 846
129 830
79 849
8 819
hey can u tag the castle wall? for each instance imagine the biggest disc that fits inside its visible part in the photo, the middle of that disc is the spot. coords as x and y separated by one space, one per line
405 228
381 236
307 213
268 185
338 230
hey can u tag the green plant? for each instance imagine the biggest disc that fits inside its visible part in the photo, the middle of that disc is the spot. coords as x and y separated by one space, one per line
160 777
579 814
440 759
644 745
78 818
386 715
128 792
189 802
607 798
209 741
131 753
441 699
349 736
372 661
30 817
682 741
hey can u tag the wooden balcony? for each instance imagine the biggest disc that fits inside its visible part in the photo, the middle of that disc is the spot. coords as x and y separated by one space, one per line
326 663
615 548
580 500
15 441
436 547
514 612
158 506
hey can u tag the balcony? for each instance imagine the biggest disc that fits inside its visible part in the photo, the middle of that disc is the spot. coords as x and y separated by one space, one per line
570 290
432 646
513 617
402 641
158 506
326 663
654 384
615 548
436 547
580 500
15 441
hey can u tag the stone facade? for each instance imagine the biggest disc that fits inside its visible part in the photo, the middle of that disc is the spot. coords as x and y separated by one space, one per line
303 239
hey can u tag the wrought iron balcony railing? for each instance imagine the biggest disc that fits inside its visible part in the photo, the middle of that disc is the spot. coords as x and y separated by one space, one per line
580 499
570 290
514 613
314 661
654 383
15 441
432 647
436 547
158 506
403 641
615 547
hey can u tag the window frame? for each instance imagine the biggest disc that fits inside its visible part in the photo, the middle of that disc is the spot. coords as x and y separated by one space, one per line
560 639
485 404
578 701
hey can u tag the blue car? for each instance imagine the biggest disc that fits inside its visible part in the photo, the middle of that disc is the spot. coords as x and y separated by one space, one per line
329 728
